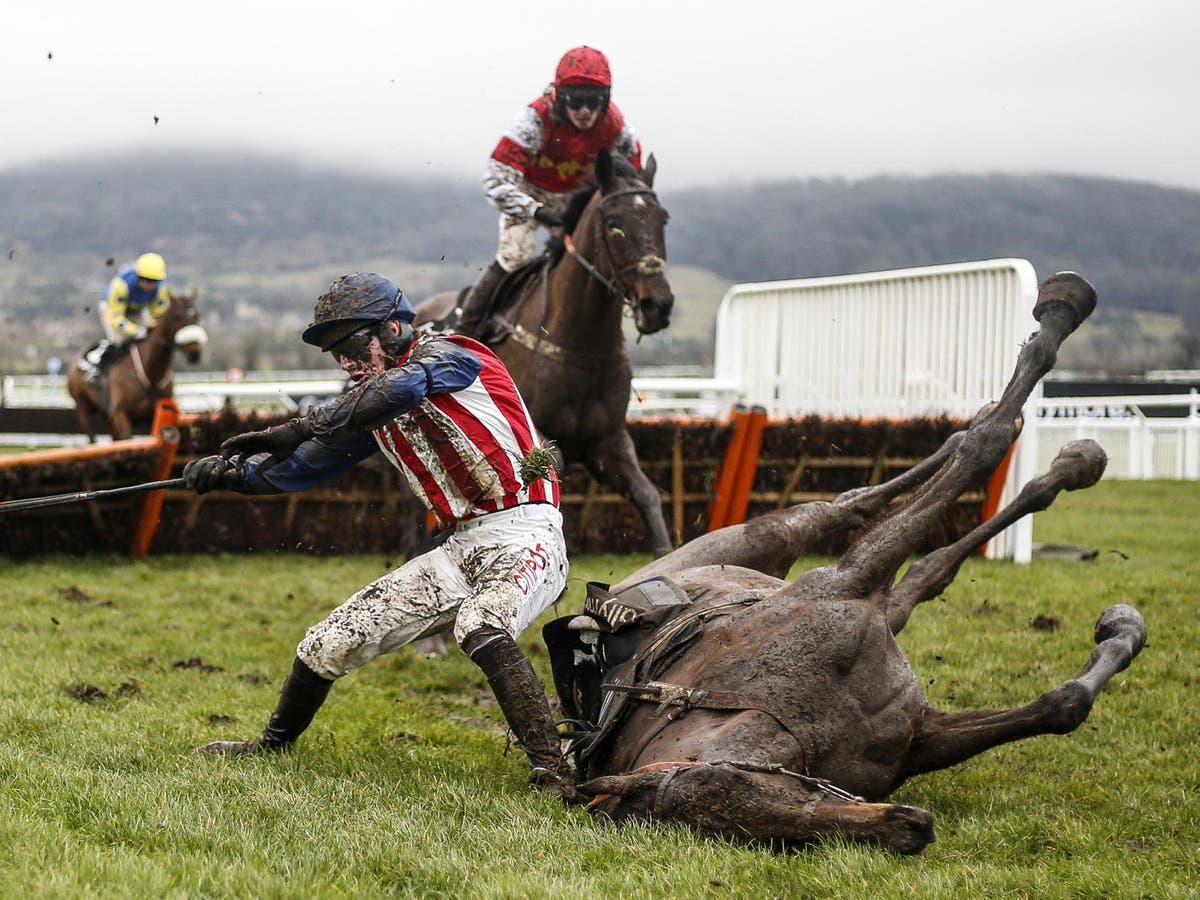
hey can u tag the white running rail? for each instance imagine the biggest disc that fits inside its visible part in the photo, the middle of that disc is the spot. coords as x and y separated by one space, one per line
899 344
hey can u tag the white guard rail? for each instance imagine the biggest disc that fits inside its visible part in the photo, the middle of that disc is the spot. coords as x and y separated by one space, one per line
1137 445
898 344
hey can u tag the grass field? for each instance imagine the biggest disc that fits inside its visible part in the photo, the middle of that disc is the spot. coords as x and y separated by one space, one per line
112 672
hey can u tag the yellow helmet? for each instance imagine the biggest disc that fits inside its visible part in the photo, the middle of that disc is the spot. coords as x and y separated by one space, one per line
151 266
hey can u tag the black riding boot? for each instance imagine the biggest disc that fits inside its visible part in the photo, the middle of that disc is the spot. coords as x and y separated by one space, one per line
522 699
110 354
301 696
477 305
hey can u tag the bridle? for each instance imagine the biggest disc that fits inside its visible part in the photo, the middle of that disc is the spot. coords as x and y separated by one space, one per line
135 354
645 265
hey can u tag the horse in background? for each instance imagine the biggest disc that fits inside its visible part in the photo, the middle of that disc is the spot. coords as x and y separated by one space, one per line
128 392
561 328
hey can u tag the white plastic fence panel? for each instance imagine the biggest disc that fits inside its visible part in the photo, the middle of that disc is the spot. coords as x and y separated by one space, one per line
1138 446
904 343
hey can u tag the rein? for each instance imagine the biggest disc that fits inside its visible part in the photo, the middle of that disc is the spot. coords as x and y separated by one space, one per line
140 369
615 288
538 343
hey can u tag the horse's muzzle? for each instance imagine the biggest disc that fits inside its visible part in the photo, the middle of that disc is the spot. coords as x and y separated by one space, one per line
653 313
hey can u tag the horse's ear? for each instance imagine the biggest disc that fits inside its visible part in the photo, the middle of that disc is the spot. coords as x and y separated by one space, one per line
649 170
604 170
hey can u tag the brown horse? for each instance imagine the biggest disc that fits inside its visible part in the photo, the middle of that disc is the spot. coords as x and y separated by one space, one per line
782 713
563 342
140 378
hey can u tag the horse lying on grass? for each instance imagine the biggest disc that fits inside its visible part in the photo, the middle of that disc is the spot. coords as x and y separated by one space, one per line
752 708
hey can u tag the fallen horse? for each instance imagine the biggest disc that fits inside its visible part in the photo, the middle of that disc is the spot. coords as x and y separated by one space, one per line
706 690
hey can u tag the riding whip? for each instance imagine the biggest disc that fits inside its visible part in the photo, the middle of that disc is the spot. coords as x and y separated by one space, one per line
35 502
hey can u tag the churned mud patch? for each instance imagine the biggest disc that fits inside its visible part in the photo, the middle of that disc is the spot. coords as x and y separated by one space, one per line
221 719
252 678
1044 623
88 693
195 662
75 594
91 693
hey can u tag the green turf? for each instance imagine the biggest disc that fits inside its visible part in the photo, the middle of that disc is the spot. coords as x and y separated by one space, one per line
112 672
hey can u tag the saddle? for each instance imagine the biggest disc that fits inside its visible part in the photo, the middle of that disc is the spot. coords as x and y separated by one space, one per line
498 324
607 660
602 645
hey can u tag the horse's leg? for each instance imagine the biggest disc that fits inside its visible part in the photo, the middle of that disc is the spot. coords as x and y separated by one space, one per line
768 807
1078 465
771 543
1064 301
614 462
84 414
120 426
945 739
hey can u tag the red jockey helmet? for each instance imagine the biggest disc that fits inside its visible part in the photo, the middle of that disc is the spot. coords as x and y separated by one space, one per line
583 65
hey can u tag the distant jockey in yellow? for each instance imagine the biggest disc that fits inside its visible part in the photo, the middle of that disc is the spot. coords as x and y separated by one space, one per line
136 298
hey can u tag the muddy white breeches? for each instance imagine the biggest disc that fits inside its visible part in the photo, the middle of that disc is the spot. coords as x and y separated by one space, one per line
500 570
518 243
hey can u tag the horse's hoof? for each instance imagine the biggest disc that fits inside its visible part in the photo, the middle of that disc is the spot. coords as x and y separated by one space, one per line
1122 620
907 830
1069 289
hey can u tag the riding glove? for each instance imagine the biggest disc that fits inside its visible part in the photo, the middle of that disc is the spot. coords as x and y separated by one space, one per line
547 216
279 440
212 473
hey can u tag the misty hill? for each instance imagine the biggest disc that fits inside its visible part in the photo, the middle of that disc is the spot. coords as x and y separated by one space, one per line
263 236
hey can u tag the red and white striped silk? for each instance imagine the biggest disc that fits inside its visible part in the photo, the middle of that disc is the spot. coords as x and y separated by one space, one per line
461 452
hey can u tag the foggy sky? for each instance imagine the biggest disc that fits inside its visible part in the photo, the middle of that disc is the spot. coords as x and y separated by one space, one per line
739 91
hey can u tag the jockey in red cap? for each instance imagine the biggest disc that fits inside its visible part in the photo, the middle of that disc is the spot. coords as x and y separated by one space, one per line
548 153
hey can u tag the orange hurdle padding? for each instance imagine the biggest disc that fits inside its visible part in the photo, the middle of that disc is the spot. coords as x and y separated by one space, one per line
718 509
747 467
165 432
995 486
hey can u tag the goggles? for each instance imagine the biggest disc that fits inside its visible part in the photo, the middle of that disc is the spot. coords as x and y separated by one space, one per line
577 98
356 345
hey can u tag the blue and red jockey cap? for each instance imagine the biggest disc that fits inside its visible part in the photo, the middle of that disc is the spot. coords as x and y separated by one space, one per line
353 301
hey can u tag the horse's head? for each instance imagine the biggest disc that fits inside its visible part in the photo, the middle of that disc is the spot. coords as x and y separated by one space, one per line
180 326
632 226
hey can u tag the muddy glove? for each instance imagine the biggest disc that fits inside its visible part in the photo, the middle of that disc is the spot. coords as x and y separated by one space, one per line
279 441
212 473
547 216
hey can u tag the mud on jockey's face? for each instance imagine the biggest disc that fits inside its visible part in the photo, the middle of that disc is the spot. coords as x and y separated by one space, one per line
372 349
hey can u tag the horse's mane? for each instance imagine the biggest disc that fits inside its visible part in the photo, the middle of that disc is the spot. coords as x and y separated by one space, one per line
575 207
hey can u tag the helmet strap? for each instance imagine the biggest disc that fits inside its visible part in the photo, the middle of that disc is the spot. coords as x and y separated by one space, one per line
395 345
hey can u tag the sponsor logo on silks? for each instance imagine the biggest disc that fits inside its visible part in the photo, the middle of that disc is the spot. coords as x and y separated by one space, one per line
529 574
568 168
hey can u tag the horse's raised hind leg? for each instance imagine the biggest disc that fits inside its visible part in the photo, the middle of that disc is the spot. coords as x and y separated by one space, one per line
771 543
1064 301
614 463
945 739
766 807
1078 465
